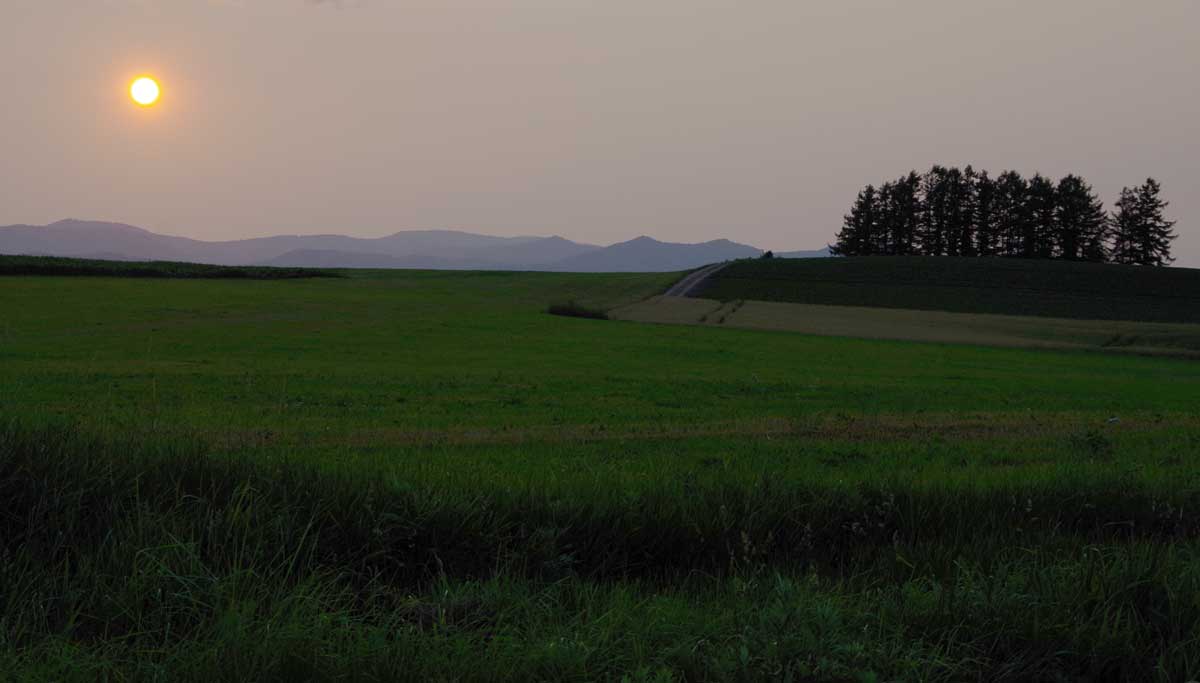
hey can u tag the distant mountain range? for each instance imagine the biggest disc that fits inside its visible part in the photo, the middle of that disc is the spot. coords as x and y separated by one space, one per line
440 249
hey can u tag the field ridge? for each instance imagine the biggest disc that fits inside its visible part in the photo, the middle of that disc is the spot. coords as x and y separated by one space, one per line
1059 289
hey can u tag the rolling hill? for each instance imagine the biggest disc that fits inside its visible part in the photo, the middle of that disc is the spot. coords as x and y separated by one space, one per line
434 249
649 254
1058 289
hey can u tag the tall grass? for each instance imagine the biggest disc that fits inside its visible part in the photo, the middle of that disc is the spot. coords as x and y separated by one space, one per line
163 559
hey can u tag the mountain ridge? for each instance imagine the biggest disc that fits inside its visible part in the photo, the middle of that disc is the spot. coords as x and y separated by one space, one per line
432 249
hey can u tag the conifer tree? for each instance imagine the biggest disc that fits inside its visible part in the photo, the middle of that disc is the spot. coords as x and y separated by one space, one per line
948 211
962 212
1080 224
885 220
1141 234
1012 213
933 227
1124 224
857 234
986 226
1042 201
906 213
1156 231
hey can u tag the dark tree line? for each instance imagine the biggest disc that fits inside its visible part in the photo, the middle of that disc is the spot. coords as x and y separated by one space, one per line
953 212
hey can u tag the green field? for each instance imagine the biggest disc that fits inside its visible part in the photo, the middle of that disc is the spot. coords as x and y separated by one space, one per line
413 475
1057 289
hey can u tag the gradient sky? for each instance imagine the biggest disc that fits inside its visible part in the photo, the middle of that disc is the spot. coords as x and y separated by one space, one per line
597 120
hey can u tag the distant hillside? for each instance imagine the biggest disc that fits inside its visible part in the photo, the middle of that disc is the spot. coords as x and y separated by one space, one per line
330 258
969 285
438 249
83 239
648 254
55 265
417 248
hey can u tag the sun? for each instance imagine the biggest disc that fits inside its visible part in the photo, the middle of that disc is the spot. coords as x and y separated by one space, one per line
144 91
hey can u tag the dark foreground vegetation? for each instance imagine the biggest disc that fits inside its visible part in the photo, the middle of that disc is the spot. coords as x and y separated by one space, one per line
1003 286
574 309
158 560
54 265
422 476
955 212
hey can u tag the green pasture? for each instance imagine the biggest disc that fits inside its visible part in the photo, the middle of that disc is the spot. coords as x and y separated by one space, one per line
406 475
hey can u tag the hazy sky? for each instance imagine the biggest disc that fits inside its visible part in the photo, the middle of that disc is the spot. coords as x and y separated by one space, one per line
597 120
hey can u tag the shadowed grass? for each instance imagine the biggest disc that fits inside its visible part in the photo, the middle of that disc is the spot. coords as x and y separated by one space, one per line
165 559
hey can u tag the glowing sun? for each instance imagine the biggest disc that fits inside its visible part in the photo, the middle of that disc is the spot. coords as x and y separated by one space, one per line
144 91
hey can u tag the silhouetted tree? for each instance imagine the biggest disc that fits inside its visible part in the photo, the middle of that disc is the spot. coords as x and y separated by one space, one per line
881 242
906 213
961 207
935 212
1080 224
948 211
1151 208
856 238
986 224
1042 203
1125 226
1141 233
894 214
1012 212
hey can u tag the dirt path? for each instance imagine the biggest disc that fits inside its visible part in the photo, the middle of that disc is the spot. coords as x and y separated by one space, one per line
685 286
1173 339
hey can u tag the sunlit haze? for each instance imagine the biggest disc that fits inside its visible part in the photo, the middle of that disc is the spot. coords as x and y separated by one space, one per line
687 120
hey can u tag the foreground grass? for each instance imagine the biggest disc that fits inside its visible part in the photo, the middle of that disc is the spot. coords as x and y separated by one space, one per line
422 476
162 562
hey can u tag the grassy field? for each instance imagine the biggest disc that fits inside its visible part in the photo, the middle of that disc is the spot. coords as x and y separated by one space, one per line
423 476
864 322
1057 289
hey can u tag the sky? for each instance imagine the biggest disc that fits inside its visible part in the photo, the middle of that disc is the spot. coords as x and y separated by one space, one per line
597 120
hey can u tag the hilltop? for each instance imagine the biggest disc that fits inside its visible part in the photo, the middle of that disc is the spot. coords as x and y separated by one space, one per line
1059 289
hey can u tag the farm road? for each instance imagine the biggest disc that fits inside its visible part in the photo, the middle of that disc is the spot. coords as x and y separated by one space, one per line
685 286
